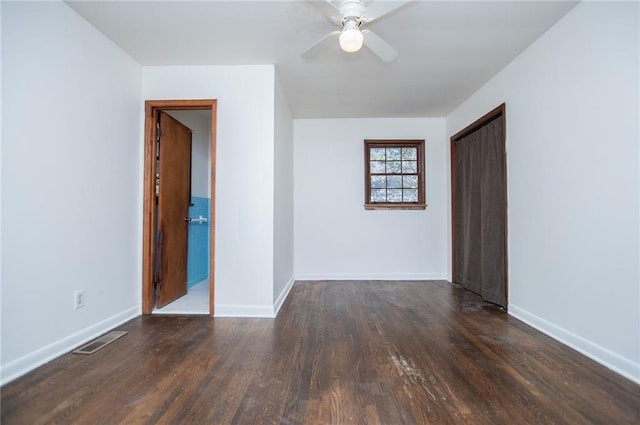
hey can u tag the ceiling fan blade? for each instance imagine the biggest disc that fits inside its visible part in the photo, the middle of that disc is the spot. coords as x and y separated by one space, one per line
378 9
327 7
320 45
378 46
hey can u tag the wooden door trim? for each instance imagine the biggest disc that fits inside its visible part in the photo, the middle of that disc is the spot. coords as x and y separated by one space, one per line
148 219
500 111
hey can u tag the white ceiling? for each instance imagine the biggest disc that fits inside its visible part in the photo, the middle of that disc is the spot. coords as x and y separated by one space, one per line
447 49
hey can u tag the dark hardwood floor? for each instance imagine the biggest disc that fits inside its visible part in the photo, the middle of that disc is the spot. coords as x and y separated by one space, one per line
338 353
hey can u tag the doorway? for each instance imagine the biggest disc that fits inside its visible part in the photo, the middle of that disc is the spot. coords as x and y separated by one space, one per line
479 207
156 240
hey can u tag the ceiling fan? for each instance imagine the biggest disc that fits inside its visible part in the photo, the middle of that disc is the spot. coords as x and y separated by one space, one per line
352 15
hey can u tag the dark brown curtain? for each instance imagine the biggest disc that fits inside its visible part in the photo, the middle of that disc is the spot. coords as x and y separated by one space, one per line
480 213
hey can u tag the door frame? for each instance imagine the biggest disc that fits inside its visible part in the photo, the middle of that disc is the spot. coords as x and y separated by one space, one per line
151 107
500 111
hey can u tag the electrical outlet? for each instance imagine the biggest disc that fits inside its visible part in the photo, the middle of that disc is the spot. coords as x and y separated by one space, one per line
78 299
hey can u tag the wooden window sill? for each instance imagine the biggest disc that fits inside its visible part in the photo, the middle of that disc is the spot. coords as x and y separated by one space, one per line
395 206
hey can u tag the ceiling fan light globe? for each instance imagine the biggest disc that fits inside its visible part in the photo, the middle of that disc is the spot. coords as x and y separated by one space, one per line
351 40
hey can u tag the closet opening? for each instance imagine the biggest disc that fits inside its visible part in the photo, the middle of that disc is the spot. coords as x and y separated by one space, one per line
479 207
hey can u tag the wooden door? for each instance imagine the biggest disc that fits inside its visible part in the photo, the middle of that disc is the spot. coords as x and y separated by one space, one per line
173 207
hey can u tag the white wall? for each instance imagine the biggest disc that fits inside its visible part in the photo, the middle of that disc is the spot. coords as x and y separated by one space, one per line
70 183
572 140
283 198
335 237
199 122
1 186
244 175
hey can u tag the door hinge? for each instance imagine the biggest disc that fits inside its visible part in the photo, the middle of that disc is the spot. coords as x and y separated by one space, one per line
158 135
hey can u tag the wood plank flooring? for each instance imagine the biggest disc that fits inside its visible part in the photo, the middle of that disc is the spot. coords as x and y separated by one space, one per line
338 353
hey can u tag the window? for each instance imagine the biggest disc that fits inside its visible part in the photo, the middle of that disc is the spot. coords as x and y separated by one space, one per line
394 174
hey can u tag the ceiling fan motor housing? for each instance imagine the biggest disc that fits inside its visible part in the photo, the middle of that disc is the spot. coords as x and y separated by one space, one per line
352 10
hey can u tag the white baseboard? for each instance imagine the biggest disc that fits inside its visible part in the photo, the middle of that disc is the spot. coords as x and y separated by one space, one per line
604 356
371 276
232 310
283 296
27 363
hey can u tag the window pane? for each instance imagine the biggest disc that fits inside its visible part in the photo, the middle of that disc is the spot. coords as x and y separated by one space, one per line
377 167
393 153
409 167
394 195
409 153
394 182
378 195
394 174
410 195
394 167
409 182
378 182
376 154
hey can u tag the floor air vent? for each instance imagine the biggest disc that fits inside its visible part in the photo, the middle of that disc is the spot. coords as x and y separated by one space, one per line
101 342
